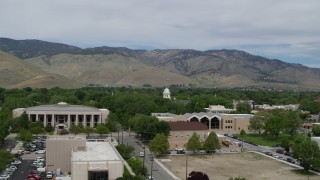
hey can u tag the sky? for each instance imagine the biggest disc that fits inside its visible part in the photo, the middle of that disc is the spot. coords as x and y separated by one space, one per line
288 30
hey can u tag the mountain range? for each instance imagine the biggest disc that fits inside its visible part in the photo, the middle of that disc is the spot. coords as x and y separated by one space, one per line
36 63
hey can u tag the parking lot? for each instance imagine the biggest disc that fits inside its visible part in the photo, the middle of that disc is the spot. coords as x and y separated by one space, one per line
29 162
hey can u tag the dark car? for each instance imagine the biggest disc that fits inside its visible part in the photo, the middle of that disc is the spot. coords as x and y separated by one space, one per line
287 153
181 152
280 151
290 160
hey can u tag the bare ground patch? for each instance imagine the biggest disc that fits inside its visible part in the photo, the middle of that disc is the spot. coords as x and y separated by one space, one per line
224 166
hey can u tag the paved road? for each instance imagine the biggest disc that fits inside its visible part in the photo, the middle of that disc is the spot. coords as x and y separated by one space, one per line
158 173
9 141
23 170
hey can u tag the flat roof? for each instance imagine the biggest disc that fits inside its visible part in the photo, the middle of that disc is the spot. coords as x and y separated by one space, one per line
96 151
63 107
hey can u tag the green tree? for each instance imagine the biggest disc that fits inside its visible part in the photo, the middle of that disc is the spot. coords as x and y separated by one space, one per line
242 132
243 108
259 121
76 129
25 136
307 152
24 122
275 125
159 144
136 166
88 130
5 159
196 175
102 129
112 125
125 151
49 128
293 122
212 142
193 143
316 130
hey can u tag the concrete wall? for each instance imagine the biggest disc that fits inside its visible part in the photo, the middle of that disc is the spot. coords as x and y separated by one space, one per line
58 154
116 169
80 170
235 124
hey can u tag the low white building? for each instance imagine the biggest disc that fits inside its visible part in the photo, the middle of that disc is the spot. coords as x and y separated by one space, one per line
98 160
63 115
84 159
219 109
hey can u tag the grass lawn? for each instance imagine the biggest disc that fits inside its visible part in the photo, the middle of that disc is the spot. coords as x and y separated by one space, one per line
259 139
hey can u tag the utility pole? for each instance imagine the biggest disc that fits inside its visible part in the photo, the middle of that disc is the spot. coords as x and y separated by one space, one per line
144 157
186 166
121 136
151 159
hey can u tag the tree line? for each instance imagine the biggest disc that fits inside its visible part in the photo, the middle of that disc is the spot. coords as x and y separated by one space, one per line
126 103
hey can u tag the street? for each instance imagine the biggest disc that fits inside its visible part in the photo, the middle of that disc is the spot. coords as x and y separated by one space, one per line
158 172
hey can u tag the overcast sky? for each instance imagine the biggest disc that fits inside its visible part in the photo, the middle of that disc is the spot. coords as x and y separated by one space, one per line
288 30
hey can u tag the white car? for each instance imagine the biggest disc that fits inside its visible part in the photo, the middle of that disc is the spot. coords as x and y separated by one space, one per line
141 154
49 175
40 151
4 177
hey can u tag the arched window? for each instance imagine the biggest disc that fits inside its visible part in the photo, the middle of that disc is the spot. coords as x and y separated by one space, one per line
215 123
205 121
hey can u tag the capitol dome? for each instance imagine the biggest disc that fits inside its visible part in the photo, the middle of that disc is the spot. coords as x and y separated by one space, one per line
166 93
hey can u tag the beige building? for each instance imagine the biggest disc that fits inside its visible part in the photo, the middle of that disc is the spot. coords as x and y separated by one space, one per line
85 159
63 115
219 109
59 151
180 132
214 121
98 160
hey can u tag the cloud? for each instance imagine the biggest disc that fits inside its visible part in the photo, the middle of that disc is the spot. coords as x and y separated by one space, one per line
287 29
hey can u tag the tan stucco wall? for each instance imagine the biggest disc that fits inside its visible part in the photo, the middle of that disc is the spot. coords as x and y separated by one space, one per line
58 154
80 169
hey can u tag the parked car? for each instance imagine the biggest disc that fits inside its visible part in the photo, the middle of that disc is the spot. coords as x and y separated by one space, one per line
4 177
141 154
290 160
34 176
40 151
49 175
280 151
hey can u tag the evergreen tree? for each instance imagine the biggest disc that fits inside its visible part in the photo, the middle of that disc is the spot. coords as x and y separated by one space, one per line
212 142
193 143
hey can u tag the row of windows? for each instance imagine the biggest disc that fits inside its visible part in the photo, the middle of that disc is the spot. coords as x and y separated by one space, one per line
228 121
228 127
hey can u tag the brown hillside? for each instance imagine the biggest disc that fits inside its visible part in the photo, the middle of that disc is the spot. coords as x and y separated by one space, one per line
16 73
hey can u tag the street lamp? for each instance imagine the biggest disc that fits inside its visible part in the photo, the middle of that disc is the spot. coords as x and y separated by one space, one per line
151 159
186 166
144 157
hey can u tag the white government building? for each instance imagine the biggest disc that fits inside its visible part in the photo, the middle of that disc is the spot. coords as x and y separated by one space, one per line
63 115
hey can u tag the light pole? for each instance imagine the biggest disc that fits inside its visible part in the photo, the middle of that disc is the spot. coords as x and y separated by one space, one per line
186 166
144 157
151 159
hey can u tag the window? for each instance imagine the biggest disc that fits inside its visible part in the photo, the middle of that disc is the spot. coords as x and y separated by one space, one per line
98 175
